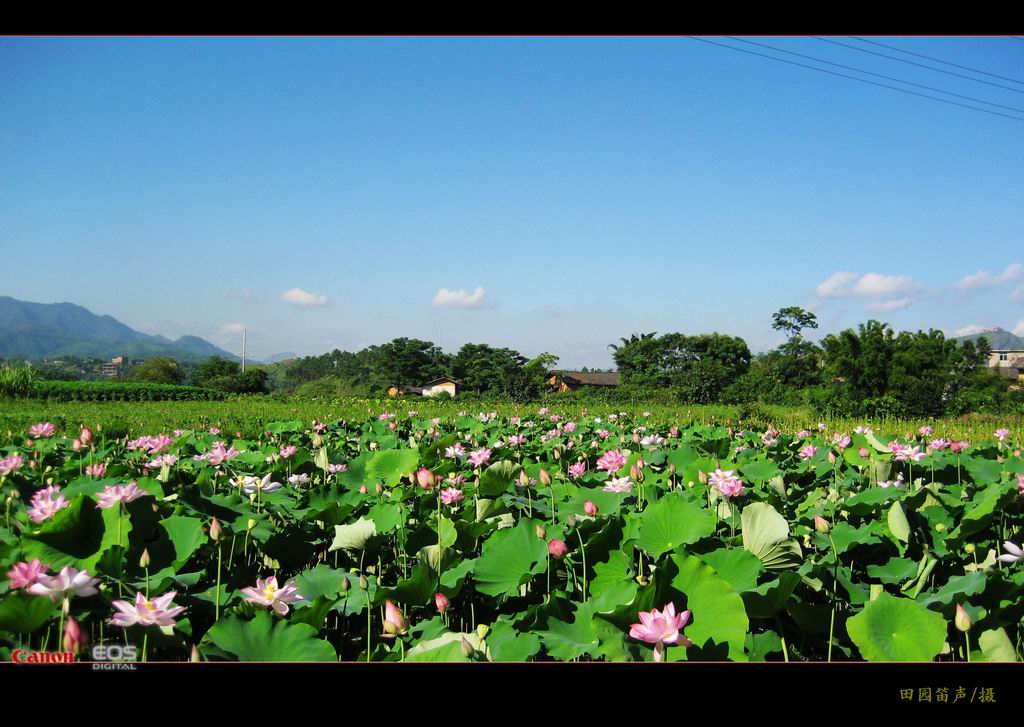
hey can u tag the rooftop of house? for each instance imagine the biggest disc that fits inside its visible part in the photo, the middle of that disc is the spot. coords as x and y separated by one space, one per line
591 378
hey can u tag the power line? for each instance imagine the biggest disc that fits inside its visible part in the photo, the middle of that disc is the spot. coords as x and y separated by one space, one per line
877 75
913 63
937 60
855 78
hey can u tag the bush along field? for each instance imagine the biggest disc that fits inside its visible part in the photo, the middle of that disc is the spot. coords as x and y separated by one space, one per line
479 537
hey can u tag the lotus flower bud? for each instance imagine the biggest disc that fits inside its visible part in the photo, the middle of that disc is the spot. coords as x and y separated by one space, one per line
395 623
250 524
85 436
363 583
703 477
524 479
442 602
821 524
467 648
345 584
379 488
636 437
558 454
144 560
363 490
571 521
77 445
640 462
216 533
425 478
863 452
195 655
590 508
831 457
962 619
74 637
557 549
545 478
540 531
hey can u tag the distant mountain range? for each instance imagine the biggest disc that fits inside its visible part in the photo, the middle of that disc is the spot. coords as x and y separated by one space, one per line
51 330
998 338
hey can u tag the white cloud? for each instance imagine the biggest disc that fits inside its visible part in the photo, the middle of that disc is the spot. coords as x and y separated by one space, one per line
232 328
1018 294
445 298
874 285
891 305
969 330
1018 330
837 285
982 279
298 296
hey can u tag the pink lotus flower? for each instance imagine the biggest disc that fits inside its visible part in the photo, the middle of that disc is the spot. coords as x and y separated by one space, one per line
456 451
113 494
958 447
98 469
23 574
898 482
1002 434
590 508
425 478
516 440
69 579
569 427
925 431
214 430
442 602
267 593
74 637
1020 485
578 470
44 430
618 485
336 468
809 451
160 611
909 453
863 452
726 482
480 457
85 436
612 461
451 495
842 440
44 505
1014 553
220 454
803 434
299 479
661 628
319 427
164 459
395 623
10 464
557 548
939 444
288 451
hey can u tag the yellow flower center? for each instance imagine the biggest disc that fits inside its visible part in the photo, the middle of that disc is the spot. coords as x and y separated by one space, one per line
269 592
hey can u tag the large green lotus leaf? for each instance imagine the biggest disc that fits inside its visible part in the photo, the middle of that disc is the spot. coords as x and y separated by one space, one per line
983 471
77 536
447 647
186 535
614 644
897 521
894 570
768 599
353 536
996 645
354 475
868 501
392 465
897 629
967 585
738 566
766 535
982 508
509 558
386 516
760 645
323 581
845 536
761 470
612 585
22 613
268 639
567 640
718 614
671 522
295 425
497 478
418 589
507 644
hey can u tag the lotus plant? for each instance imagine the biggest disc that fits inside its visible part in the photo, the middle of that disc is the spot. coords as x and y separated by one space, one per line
661 628
268 593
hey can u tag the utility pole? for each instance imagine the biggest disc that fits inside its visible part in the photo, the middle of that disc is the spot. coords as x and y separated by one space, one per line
243 350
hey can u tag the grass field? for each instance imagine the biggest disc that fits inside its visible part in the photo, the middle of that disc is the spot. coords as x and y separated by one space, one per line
249 414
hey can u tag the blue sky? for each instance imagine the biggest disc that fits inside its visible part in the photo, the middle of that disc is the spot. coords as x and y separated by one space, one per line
542 194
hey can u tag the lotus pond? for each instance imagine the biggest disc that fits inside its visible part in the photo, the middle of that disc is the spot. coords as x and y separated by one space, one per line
543 536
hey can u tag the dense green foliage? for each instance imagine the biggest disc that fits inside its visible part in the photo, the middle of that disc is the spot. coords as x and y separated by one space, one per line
120 391
551 537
